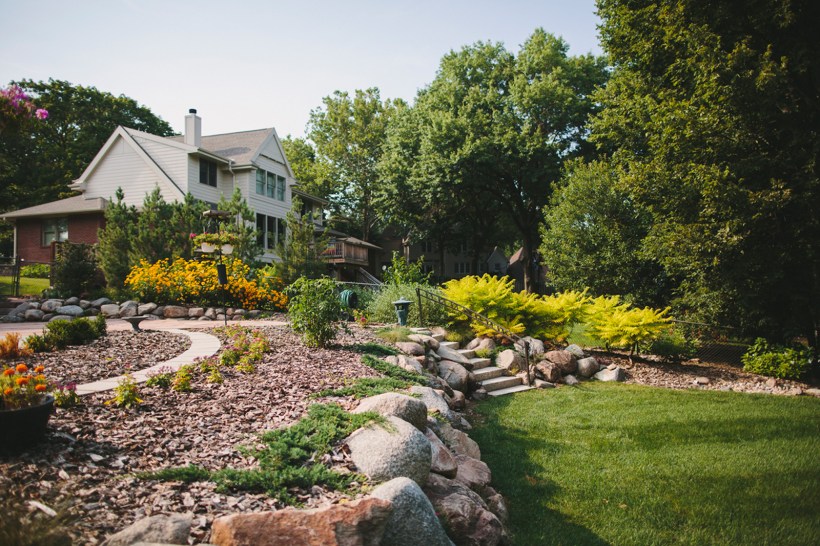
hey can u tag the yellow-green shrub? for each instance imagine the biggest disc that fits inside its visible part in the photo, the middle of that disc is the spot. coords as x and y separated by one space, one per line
619 325
193 281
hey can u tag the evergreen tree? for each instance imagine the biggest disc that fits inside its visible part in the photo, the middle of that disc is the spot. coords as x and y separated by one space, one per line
301 254
242 224
115 240
155 232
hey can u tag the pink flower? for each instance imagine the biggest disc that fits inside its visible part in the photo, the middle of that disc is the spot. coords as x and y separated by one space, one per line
41 113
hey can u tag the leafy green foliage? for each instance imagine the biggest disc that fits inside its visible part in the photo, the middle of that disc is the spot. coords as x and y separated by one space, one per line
39 344
182 379
620 325
36 271
593 235
711 119
288 457
776 361
314 308
393 371
242 226
373 349
126 393
394 334
402 272
311 170
162 378
672 344
60 334
75 267
363 387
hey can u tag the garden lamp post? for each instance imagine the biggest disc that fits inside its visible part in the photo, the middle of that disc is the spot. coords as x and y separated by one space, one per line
221 271
402 310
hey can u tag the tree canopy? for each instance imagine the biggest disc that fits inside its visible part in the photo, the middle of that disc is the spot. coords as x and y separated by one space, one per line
712 116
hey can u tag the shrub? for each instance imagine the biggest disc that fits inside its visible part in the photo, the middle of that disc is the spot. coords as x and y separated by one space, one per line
75 268
126 393
182 379
402 272
776 360
394 334
192 281
65 396
62 333
314 309
36 271
619 325
39 344
10 347
162 378
381 308
672 344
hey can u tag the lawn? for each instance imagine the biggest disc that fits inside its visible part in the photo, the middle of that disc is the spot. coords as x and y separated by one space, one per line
28 286
621 464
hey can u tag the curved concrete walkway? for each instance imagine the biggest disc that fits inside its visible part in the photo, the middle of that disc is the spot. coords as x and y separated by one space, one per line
203 344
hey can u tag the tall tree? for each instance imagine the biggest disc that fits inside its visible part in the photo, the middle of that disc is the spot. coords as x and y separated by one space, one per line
38 162
714 111
348 132
311 171
496 128
113 251
154 233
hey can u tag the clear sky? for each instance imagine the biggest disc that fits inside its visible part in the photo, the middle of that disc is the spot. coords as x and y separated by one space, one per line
247 64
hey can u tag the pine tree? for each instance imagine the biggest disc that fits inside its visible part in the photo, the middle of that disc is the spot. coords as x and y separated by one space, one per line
115 241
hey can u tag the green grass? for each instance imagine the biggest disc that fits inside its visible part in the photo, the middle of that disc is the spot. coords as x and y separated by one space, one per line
580 337
28 286
619 464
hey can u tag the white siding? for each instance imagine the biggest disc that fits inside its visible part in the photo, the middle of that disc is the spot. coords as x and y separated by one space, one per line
204 192
123 167
170 159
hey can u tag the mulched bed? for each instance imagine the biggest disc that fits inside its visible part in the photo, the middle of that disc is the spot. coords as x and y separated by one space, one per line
112 355
92 452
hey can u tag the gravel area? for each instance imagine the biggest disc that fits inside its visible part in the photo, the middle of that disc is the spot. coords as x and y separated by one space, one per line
112 355
92 452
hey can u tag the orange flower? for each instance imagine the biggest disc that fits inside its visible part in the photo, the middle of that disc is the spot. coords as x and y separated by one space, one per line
8 391
40 369
40 378
8 371
21 381
22 368
40 388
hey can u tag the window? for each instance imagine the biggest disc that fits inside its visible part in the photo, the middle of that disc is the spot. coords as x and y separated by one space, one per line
207 172
270 231
461 268
427 247
55 229
270 185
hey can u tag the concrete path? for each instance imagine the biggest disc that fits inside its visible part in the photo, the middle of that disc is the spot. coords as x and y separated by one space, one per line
203 344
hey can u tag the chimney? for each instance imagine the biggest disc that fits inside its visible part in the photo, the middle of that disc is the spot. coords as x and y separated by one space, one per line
193 129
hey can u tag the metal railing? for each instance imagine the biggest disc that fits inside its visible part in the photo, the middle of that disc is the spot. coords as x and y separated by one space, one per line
476 317
10 267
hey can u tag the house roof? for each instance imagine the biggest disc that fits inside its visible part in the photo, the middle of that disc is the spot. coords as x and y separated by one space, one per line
73 205
240 147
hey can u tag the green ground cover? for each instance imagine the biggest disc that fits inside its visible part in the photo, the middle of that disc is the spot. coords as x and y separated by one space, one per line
28 286
623 464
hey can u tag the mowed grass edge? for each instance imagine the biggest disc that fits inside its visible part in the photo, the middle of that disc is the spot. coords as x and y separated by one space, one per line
622 464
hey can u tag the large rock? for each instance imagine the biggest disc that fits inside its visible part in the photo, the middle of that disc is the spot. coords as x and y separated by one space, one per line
452 355
485 343
413 520
85 304
467 517
73 300
565 361
587 367
21 309
358 523
496 503
410 348
575 350
549 371
110 310
617 374
428 341
129 308
173 529
99 302
443 461
454 374
50 306
174 311
536 346
434 401
146 308
70 310
459 442
473 473
406 363
387 451
402 406
510 360
33 315
196 312
59 317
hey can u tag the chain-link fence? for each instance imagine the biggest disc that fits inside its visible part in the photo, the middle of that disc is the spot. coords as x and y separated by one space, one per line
715 344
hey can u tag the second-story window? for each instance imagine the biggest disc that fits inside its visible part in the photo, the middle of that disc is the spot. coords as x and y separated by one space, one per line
270 185
207 172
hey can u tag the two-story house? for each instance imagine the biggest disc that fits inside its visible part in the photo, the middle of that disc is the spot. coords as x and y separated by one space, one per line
207 167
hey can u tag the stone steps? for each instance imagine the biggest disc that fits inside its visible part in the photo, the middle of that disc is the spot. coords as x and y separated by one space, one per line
449 344
501 382
488 372
479 363
467 353
510 390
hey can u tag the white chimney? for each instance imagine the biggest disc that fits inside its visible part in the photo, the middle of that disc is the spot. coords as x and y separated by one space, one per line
193 128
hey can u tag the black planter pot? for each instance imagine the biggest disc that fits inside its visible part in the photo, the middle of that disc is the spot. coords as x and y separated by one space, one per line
24 427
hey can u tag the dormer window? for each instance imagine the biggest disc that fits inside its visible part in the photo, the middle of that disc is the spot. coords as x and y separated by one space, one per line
207 172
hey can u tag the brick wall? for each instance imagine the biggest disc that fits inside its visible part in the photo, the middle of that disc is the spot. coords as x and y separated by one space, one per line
81 229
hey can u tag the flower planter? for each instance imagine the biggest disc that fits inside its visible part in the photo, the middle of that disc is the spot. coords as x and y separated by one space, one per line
208 247
227 249
24 427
